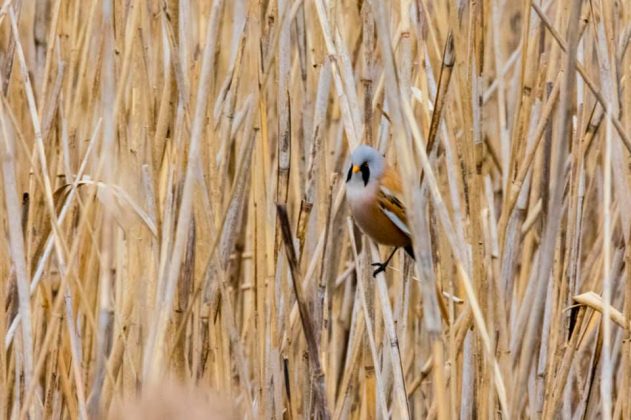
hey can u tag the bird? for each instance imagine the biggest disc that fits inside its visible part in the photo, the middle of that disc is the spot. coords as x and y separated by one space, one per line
373 192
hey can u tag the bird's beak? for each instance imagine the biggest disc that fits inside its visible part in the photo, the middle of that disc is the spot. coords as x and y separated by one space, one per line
355 169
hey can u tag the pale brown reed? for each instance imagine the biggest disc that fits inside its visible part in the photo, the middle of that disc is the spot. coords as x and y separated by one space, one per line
172 209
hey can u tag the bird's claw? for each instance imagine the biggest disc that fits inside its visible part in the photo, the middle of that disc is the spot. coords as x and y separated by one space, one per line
381 267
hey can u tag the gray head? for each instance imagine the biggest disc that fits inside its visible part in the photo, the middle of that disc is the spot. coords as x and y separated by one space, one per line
367 164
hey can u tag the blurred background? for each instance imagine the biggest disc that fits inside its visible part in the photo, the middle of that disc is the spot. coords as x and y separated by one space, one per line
146 144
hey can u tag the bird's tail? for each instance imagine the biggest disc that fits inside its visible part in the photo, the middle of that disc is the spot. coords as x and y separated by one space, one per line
410 251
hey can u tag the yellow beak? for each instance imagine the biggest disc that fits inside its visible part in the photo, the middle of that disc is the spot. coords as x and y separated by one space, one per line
355 169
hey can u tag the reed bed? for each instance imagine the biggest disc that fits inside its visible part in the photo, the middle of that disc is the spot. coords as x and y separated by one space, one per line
173 208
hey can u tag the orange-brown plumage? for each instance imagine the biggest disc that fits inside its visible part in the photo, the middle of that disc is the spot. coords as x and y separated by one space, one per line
370 217
374 194
390 195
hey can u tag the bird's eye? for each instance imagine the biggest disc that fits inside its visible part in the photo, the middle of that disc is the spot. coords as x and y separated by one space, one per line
350 173
365 172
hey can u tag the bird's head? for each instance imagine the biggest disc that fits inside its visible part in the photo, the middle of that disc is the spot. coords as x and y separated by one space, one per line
367 165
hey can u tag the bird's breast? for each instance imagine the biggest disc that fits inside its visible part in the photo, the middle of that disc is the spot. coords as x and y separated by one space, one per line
371 220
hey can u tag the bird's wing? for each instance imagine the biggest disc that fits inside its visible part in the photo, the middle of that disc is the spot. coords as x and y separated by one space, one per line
390 201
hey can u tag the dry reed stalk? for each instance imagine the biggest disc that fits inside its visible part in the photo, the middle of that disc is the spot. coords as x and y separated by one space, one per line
317 376
16 241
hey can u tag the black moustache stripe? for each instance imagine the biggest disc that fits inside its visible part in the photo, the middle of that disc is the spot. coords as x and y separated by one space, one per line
365 173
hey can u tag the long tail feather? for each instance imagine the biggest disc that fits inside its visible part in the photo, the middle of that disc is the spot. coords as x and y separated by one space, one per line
410 251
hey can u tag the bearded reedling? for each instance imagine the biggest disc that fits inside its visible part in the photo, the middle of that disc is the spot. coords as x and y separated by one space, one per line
373 191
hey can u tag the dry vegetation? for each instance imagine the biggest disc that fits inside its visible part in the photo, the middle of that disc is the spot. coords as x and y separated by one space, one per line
149 150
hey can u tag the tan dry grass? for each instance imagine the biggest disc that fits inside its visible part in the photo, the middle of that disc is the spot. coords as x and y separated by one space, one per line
170 401
148 149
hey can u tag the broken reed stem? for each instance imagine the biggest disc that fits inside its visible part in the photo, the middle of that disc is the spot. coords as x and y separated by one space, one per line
317 375
443 84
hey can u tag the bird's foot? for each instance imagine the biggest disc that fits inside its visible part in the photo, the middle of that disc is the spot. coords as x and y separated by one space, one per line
381 267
